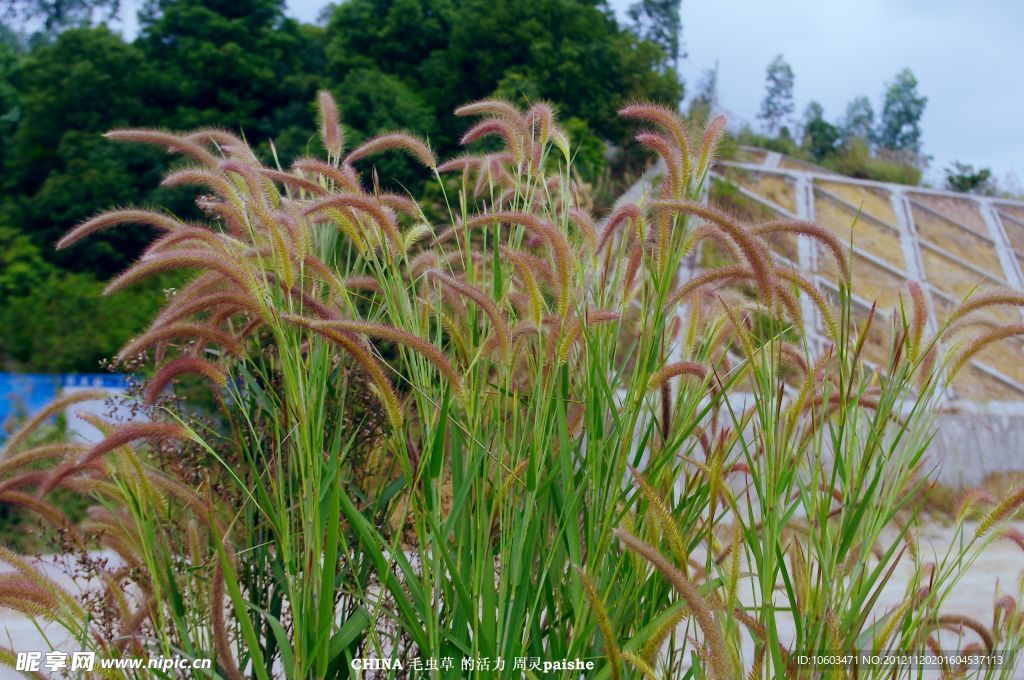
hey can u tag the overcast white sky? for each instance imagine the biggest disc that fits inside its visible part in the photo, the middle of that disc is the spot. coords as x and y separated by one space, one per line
968 58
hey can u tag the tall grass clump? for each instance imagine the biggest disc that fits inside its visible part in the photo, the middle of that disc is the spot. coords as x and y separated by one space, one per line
515 430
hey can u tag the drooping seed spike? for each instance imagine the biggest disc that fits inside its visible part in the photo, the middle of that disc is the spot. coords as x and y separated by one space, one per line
754 251
394 141
331 134
994 298
541 117
44 414
555 238
585 225
719 659
375 330
114 218
674 369
344 176
371 365
707 278
495 126
461 163
177 367
983 341
661 146
181 306
709 233
819 300
485 303
712 133
920 317
537 305
201 177
121 436
204 332
294 181
604 624
223 138
399 203
668 121
494 107
366 205
957 621
180 259
197 236
620 216
167 140
826 237
1010 504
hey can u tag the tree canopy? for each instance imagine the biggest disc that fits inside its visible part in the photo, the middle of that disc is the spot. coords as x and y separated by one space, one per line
445 54
900 128
777 104
245 65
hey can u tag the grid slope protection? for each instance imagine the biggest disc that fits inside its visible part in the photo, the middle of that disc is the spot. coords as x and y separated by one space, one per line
952 244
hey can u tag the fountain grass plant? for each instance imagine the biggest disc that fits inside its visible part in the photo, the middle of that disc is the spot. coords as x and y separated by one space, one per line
523 434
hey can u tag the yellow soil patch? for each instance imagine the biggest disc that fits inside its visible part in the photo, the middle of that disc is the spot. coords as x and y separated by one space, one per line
1014 229
869 235
776 188
870 281
876 346
753 156
1005 357
951 277
975 385
793 164
955 239
873 202
962 210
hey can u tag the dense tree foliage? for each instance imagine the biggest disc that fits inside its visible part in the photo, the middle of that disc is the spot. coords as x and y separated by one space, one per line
245 65
660 22
441 54
59 169
900 127
54 15
704 102
821 138
964 178
777 104
236 64
859 120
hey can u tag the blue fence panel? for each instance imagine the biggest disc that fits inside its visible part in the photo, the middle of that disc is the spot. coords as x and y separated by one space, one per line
24 394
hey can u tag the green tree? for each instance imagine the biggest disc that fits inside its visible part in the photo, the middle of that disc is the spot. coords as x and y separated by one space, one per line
12 51
964 178
705 99
55 15
22 267
900 127
446 54
237 64
859 120
660 22
821 138
59 170
777 104
55 320
65 324
373 102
